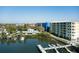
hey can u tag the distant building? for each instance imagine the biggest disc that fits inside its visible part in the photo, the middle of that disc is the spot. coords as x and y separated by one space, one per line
3 30
33 25
32 31
38 24
45 25
68 30
29 31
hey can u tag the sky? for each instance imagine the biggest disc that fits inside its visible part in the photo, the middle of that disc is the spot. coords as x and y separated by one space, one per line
34 14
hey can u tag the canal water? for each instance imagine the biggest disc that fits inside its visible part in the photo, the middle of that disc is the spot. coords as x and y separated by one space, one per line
24 46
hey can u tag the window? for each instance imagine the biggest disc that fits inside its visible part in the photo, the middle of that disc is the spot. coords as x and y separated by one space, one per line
73 23
73 32
72 35
72 26
72 29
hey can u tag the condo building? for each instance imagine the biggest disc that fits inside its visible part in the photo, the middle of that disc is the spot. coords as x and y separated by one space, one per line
67 30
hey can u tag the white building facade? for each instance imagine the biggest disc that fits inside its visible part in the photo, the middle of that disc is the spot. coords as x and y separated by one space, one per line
67 30
29 31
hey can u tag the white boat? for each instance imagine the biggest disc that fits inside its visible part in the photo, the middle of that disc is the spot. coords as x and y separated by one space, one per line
22 38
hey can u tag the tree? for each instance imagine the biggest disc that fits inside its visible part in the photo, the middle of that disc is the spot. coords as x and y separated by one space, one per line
11 28
39 28
22 27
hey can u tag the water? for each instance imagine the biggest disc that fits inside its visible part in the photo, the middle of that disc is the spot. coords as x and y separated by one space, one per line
62 50
74 49
26 46
51 51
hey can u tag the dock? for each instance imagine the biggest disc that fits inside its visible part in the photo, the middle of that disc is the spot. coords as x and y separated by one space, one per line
68 49
41 49
52 46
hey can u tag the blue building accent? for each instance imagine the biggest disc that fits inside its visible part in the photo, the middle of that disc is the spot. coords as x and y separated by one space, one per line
46 26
